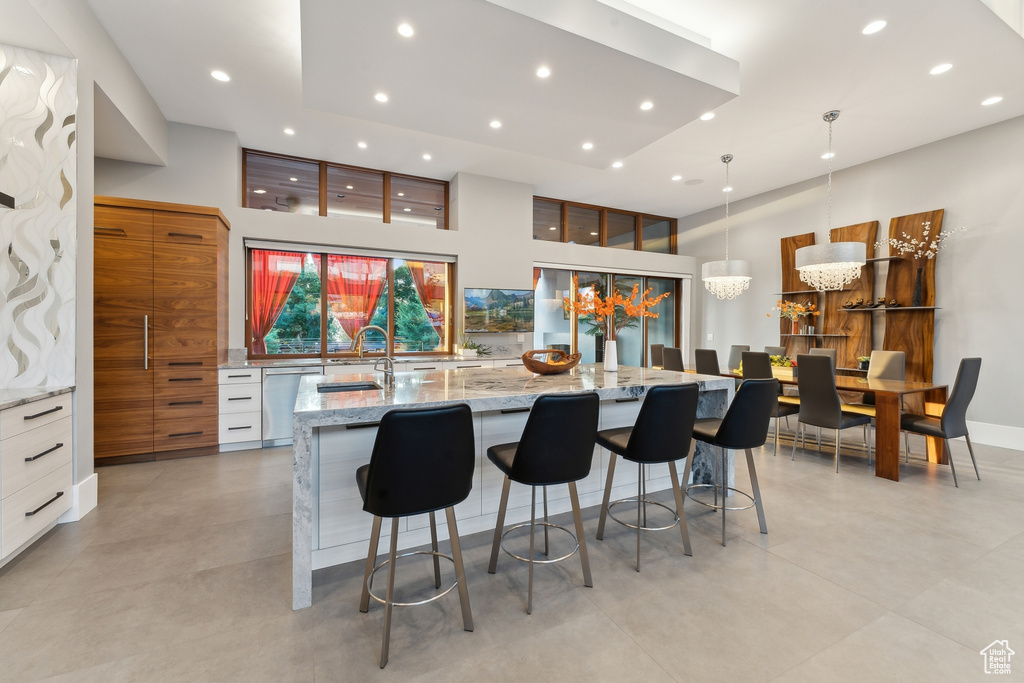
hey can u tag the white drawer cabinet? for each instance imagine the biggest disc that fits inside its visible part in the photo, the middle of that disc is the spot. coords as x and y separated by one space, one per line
239 405
36 475
466 364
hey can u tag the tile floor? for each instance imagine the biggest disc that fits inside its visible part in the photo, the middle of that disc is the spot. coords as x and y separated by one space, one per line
183 574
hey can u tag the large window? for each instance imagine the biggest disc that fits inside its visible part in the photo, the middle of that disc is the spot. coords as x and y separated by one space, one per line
554 328
291 293
274 182
558 221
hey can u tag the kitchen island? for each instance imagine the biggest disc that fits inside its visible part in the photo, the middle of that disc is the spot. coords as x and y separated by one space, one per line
334 433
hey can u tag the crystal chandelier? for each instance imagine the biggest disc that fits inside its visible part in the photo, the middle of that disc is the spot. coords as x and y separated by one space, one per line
830 267
726 279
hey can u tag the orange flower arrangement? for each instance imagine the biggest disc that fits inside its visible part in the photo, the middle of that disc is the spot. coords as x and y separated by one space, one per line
615 310
792 310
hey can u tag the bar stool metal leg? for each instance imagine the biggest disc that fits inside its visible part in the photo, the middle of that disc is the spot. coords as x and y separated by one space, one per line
371 560
493 564
581 537
390 599
725 484
545 488
433 546
533 525
460 570
639 504
757 491
678 494
607 497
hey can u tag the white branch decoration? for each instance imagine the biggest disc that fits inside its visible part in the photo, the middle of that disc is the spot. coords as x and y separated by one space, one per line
923 248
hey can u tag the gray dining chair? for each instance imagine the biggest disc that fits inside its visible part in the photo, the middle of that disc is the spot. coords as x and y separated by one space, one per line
707 362
657 355
736 355
831 353
672 358
819 400
883 365
758 365
953 423
775 350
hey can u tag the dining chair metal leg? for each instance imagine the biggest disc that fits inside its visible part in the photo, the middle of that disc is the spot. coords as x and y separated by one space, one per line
837 450
581 537
819 439
389 600
775 444
460 569
906 446
796 437
970 449
533 525
757 491
371 560
607 498
677 492
545 489
952 467
433 547
499 524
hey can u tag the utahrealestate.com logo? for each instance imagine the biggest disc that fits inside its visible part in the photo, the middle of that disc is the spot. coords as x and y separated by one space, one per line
997 657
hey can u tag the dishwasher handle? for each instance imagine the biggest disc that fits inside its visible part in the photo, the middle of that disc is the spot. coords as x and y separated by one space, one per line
271 373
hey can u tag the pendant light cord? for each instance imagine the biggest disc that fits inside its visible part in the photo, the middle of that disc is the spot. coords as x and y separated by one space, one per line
829 233
728 192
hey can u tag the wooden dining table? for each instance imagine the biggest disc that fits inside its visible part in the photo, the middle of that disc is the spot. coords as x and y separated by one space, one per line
889 396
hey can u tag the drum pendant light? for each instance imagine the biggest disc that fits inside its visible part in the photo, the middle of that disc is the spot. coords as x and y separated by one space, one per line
726 279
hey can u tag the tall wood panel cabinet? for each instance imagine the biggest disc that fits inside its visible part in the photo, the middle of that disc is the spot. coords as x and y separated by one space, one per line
160 326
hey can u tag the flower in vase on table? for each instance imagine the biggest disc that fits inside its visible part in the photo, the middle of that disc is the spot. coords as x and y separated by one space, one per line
614 312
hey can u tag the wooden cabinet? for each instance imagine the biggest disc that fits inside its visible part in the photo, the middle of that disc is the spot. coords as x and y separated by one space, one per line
160 325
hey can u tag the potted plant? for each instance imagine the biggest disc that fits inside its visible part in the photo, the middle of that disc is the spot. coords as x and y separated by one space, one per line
783 367
862 362
470 348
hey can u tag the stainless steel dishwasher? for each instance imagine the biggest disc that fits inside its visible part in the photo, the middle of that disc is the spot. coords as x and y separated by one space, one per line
280 385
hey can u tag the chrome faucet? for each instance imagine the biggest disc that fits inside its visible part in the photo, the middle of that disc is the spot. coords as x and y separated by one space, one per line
388 370
357 340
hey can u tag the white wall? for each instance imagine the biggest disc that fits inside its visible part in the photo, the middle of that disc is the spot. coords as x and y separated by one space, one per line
975 177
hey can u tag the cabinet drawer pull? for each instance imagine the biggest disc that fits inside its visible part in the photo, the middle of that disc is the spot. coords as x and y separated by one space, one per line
59 494
112 230
45 412
232 429
245 376
240 398
171 436
467 367
185 379
184 234
185 403
48 450
627 400
362 425
429 367
190 362
509 411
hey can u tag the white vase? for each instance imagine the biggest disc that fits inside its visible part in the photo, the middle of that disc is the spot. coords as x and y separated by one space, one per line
611 358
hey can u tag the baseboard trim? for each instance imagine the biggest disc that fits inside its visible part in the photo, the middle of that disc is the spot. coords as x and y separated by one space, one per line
1002 436
84 497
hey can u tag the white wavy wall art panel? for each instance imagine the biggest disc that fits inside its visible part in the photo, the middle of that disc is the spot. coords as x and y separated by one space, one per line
38 162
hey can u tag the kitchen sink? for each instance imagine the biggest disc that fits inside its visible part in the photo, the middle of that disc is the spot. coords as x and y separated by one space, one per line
358 385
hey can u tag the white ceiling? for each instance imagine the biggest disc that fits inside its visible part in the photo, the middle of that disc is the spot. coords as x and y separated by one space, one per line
797 59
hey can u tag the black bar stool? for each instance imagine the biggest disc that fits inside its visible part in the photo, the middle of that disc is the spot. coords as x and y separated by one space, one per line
745 426
557 447
662 433
422 461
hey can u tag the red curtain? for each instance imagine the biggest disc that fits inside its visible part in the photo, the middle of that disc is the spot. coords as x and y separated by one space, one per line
429 279
354 286
273 276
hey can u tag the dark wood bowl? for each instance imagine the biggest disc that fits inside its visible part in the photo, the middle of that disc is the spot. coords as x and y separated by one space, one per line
568 361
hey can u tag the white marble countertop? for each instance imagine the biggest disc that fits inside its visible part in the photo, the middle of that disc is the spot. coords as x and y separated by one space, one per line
342 362
482 388
10 398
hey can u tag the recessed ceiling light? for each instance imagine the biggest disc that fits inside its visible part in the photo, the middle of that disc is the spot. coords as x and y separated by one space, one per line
495 123
260 191
361 145
405 30
940 69
294 180
426 157
647 105
407 209
992 100
349 187
708 116
594 233
289 131
677 177
873 27
220 76
381 97
828 155
401 194
727 188
588 145
553 228
617 164
543 72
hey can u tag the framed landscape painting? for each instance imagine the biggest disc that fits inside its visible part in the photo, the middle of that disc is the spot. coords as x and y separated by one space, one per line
499 310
